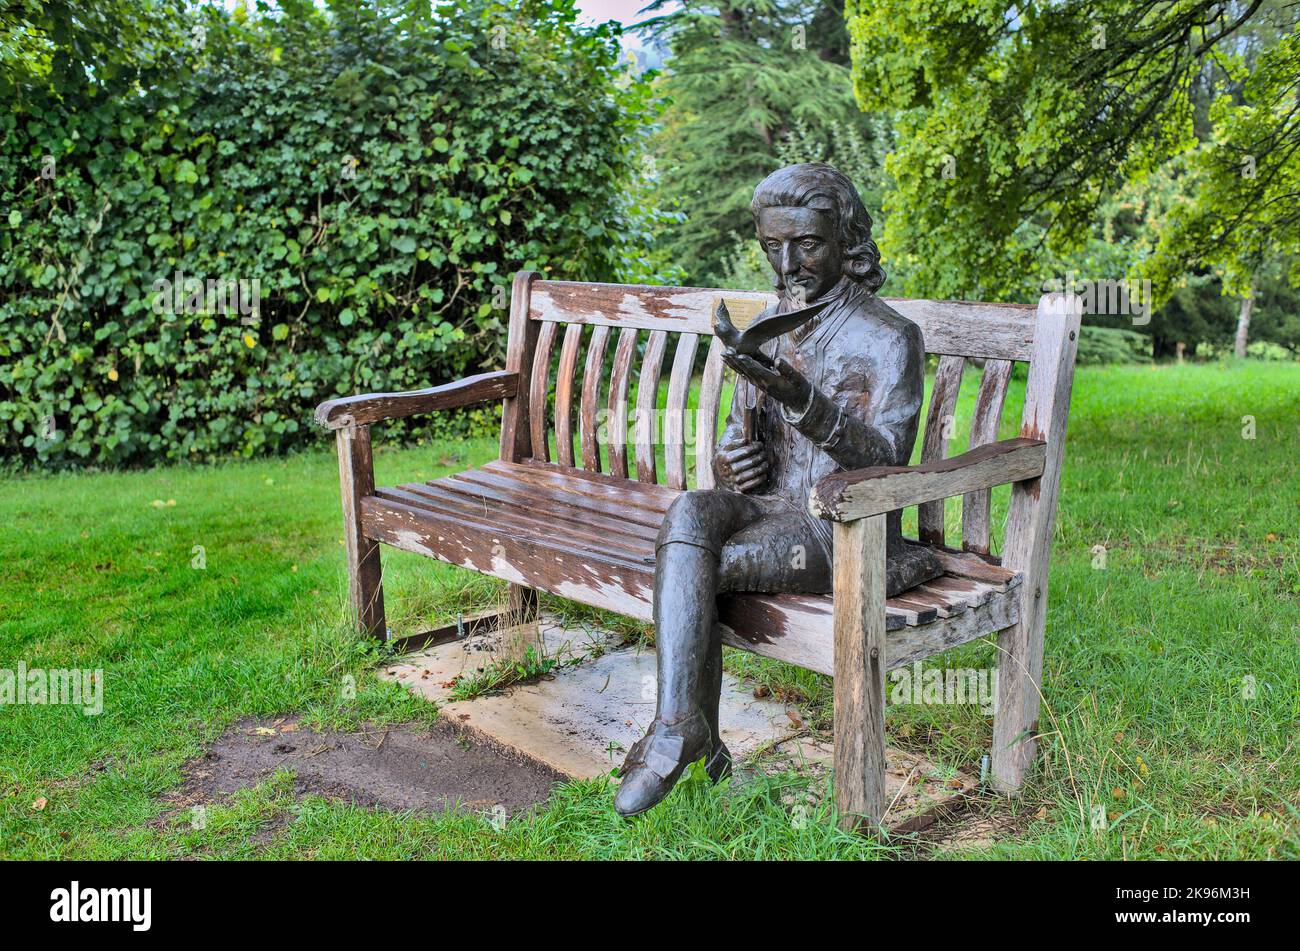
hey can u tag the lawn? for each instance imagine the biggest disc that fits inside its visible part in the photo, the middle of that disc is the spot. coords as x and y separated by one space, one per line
1172 675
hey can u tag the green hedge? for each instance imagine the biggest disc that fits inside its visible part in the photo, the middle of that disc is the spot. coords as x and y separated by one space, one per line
379 177
1101 345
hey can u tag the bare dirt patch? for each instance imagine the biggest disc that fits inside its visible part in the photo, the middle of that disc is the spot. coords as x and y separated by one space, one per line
391 767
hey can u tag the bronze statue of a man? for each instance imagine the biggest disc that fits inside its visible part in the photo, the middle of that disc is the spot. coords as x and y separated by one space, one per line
843 391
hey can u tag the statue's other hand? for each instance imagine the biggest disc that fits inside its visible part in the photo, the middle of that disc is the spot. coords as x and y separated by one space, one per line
778 380
742 466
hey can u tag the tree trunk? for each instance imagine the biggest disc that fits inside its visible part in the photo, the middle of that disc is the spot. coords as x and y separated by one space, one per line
1243 322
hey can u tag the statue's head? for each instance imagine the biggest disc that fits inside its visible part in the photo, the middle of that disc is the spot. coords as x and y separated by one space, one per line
814 230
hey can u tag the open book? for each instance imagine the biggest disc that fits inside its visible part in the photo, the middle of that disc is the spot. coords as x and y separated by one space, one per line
748 332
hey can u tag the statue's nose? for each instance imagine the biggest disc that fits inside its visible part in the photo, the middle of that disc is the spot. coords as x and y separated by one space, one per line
789 264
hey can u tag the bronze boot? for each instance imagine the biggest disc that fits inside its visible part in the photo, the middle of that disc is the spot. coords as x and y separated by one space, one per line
689 658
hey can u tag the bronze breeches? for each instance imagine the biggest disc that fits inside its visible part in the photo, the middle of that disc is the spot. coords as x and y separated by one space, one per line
760 545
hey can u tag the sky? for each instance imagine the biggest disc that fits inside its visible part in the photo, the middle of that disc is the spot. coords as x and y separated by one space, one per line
627 12
624 11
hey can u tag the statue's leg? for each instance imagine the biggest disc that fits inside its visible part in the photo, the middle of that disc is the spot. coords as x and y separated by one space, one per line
906 565
688 646
782 552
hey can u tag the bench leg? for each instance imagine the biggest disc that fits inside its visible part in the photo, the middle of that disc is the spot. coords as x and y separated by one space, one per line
859 624
365 582
1020 647
518 623
1020 672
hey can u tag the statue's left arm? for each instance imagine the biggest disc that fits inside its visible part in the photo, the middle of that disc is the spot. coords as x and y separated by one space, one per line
870 417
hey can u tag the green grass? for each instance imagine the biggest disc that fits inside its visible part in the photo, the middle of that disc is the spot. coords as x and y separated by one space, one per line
1145 712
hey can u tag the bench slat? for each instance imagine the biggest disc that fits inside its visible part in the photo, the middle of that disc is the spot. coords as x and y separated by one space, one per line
984 430
520 347
706 416
538 388
934 444
545 563
647 405
489 512
550 476
961 564
628 519
482 510
590 395
650 494
960 328
619 378
564 394
679 391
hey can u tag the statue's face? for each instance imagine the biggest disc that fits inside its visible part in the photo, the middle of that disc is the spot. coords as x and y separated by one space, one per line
803 247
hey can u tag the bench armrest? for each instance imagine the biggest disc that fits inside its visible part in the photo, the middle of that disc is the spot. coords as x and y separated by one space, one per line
373 407
846 496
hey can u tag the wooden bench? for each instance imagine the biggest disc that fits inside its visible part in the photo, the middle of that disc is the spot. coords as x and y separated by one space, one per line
581 524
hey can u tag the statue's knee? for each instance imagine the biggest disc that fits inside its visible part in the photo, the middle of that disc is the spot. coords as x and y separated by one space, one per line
695 517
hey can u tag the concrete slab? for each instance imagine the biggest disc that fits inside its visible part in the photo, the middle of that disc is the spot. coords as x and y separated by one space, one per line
581 718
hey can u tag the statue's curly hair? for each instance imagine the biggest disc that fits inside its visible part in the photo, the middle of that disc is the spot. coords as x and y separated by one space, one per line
821 186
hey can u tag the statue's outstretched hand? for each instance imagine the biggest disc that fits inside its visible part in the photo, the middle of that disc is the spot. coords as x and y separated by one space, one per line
741 465
780 381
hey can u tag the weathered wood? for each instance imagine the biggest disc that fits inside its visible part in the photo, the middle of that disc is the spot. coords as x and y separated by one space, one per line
538 389
467 625
859 689
970 328
792 628
843 496
706 416
365 577
563 503
986 331
971 565
796 628
519 625
1029 538
938 604
505 514
588 423
934 443
975 529
647 405
679 390
911 644
375 407
547 564
970 592
516 434
564 394
576 513
914 613
624 493
619 379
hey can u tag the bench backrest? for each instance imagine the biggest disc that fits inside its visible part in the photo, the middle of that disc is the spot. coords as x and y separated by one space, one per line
619 411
